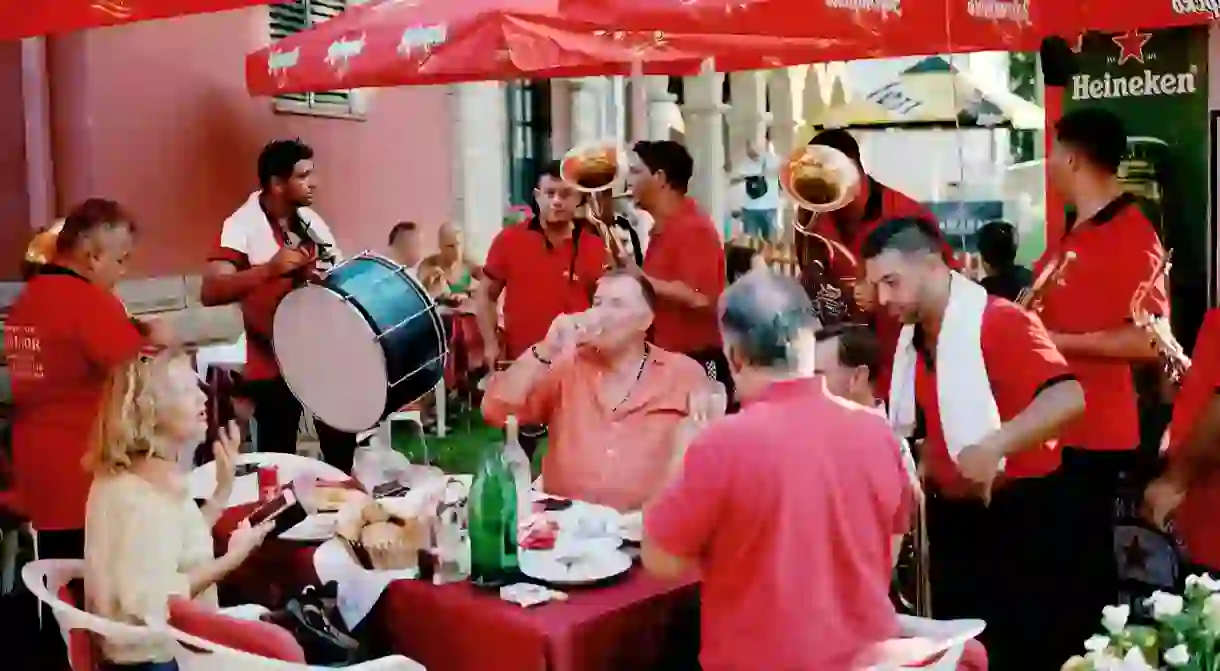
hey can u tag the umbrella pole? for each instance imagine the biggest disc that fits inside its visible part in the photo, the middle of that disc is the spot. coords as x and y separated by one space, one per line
639 103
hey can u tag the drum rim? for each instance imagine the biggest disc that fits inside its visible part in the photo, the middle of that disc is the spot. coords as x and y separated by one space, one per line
288 382
437 324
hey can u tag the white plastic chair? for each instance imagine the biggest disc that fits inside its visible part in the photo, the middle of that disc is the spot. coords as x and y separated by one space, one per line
954 634
46 577
203 479
197 654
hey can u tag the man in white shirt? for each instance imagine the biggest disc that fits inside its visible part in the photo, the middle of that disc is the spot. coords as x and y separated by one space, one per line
759 174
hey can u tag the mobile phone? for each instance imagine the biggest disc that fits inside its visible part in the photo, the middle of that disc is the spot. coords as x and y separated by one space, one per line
273 508
388 489
248 468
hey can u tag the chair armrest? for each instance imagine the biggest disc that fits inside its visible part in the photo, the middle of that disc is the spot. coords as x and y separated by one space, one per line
391 663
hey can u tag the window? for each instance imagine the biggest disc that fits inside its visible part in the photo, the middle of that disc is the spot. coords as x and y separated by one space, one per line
529 137
293 16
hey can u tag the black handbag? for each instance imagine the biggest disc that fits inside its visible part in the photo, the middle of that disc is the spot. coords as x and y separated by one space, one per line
314 621
756 186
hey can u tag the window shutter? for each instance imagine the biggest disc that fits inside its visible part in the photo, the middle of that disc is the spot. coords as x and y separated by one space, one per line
294 16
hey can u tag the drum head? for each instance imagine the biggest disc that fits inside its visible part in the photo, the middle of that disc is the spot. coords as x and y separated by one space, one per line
330 358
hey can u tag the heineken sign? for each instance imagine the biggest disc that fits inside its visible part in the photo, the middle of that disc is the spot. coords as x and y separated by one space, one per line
1086 87
1209 7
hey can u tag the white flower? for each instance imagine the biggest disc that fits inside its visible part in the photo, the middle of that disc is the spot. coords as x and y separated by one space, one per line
1204 582
1178 655
1164 606
1097 643
1211 613
1134 661
1114 618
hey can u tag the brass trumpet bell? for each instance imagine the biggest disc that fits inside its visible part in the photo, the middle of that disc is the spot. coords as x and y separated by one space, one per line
594 167
42 248
819 179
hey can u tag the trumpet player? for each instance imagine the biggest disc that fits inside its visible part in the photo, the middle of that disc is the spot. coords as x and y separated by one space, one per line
1088 312
874 202
685 257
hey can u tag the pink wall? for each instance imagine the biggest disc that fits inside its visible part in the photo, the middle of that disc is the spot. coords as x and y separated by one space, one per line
156 116
14 201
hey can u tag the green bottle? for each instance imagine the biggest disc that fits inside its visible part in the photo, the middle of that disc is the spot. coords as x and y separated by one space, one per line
493 517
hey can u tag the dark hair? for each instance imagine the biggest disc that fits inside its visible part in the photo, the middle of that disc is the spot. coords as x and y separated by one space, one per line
764 314
90 216
551 169
1097 134
902 234
858 345
646 288
997 244
738 260
841 139
669 157
402 227
279 159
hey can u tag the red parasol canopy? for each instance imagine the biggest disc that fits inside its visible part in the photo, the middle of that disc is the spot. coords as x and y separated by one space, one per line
1114 16
393 43
32 18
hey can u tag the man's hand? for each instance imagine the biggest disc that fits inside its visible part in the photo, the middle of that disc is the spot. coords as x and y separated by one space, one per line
561 339
288 260
864 294
157 334
491 354
980 463
1161 498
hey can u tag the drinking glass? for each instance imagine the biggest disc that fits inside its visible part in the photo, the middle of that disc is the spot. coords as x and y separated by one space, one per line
708 401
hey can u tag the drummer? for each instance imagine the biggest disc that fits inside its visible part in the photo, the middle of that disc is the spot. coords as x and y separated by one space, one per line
267 247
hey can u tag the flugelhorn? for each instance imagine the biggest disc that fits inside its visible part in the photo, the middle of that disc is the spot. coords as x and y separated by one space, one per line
821 179
593 168
1173 356
1031 297
42 248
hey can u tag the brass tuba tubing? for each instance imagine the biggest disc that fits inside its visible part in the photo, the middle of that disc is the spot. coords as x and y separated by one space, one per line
820 179
1031 297
592 169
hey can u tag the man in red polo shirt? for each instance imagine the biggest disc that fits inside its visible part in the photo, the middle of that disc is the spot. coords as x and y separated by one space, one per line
1088 313
685 257
270 245
64 334
850 226
792 535
1189 489
993 510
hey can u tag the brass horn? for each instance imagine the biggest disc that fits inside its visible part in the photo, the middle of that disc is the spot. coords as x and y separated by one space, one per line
42 248
592 168
819 179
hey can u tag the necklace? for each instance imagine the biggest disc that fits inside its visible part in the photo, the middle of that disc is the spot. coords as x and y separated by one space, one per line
638 375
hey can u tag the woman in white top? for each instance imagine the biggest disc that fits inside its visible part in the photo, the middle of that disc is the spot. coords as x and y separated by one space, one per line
145 538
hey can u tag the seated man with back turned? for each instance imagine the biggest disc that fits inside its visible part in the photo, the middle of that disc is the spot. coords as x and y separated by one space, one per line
615 404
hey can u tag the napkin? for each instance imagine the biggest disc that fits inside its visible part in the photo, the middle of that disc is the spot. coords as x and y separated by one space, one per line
359 588
526 594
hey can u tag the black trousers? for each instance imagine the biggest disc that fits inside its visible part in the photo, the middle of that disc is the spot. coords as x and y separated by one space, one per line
1004 563
278 414
717 367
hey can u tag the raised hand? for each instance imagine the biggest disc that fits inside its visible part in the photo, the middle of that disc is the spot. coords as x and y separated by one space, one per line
225 450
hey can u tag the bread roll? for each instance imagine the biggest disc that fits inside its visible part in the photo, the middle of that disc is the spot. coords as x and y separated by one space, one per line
374 513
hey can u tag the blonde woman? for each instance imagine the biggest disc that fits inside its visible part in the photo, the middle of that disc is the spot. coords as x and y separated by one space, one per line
145 538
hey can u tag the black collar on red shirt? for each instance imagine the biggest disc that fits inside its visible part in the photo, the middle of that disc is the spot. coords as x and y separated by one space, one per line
874 208
52 269
578 225
1106 214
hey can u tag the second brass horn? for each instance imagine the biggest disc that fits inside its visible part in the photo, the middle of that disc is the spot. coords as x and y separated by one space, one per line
819 179
593 168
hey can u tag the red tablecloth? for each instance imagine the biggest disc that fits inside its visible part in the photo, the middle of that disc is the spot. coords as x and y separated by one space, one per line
636 623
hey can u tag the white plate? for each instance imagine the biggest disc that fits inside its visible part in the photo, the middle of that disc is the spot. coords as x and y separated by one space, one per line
318 527
589 568
631 526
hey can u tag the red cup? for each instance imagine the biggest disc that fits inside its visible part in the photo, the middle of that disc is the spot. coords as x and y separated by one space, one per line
268 483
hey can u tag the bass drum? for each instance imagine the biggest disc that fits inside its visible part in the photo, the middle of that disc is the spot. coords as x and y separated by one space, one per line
359 343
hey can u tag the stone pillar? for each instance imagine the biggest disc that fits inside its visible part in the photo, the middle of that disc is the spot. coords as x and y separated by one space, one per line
588 109
661 104
748 118
480 163
561 117
704 114
781 85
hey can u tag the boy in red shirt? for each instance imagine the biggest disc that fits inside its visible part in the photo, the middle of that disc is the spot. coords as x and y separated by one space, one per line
64 334
789 508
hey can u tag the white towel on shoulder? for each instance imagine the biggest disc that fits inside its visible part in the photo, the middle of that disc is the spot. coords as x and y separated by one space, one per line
968 412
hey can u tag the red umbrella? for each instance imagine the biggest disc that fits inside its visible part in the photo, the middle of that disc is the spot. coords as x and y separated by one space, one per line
1113 16
32 18
393 43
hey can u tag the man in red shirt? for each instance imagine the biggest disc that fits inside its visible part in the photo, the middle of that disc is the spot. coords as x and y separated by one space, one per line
685 257
850 226
269 246
793 535
64 334
1189 489
996 544
1088 313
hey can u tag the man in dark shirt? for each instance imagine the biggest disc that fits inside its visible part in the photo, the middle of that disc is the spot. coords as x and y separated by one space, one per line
997 245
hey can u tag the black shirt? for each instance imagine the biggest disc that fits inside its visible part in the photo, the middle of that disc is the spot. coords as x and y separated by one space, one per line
1009 282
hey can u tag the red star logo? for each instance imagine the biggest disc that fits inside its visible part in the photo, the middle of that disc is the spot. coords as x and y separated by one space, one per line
1132 45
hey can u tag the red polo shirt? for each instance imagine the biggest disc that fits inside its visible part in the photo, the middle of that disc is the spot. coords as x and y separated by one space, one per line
792 535
686 248
62 338
1116 251
542 280
883 204
1195 519
1021 361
